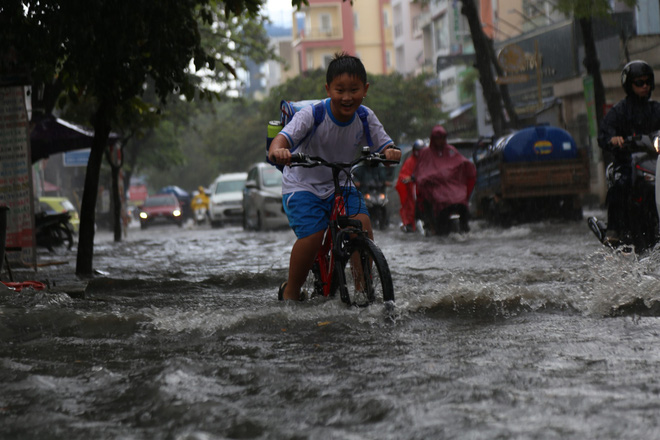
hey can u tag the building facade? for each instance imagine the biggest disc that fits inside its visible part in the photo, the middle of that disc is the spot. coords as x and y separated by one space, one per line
326 27
408 37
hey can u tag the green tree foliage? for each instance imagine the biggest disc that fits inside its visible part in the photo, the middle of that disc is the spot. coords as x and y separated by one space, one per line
308 85
222 137
108 49
230 135
408 108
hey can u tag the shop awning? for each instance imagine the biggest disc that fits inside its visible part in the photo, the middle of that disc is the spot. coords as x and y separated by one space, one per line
52 135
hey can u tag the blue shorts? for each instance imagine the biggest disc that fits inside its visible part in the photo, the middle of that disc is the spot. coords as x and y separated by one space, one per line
309 214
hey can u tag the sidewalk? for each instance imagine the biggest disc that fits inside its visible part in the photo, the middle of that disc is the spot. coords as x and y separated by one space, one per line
56 271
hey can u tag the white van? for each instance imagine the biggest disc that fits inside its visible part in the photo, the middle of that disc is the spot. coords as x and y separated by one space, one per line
226 200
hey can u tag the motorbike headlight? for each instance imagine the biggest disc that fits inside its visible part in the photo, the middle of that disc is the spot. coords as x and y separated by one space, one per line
381 197
143 215
176 213
367 196
656 144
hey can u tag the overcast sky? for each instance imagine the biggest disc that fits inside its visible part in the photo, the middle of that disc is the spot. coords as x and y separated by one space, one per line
280 12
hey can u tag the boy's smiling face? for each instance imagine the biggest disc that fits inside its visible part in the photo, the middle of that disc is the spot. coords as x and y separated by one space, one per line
346 93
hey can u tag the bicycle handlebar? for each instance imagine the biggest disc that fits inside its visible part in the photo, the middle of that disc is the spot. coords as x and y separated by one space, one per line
307 161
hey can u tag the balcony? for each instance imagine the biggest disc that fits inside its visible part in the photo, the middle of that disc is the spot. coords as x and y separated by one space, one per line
316 34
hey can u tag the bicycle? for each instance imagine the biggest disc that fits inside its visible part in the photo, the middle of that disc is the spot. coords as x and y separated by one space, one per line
348 261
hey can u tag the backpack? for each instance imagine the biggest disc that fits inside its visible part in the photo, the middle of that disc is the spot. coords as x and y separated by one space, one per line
290 108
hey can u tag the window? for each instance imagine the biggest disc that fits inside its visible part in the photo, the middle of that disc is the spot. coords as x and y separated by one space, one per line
386 19
356 22
326 23
398 30
441 33
398 22
308 25
388 59
272 177
415 25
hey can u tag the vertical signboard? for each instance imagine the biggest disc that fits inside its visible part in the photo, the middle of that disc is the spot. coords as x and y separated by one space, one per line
597 169
16 175
590 103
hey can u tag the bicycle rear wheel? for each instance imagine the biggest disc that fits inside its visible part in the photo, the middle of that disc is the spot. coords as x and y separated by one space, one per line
366 274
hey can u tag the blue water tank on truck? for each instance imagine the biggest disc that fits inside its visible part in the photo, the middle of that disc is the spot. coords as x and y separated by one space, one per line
531 174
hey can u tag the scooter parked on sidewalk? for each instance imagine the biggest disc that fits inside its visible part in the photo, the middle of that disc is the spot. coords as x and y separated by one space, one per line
53 230
642 205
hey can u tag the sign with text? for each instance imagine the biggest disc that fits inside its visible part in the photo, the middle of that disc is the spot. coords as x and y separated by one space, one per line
16 175
76 158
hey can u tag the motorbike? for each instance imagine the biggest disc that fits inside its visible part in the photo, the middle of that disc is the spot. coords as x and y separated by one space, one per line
199 215
642 204
453 219
53 230
376 200
199 206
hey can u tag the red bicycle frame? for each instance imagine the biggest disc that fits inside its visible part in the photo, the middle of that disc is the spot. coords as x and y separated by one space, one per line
325 256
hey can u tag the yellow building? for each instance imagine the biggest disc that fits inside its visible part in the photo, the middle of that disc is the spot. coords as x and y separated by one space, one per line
329 26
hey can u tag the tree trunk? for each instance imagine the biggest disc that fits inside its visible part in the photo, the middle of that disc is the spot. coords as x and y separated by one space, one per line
483 63
504 89
84 261
592 64
116 204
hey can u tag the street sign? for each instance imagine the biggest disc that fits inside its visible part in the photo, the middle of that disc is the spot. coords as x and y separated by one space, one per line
512 79
512 58
76 158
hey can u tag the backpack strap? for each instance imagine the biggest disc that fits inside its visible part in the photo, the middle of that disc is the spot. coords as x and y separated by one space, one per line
318 110
363 114
319 113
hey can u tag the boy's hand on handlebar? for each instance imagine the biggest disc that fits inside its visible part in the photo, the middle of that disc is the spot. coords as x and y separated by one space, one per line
280 156
393 154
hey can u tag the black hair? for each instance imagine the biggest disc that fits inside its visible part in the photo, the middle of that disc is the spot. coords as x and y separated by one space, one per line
345 63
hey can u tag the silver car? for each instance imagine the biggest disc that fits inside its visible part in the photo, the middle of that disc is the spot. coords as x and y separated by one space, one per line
262 199
225 202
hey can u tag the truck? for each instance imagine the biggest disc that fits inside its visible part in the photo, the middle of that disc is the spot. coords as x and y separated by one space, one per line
529 175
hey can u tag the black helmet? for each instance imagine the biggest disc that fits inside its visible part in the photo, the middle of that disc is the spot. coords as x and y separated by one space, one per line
635 69
418 145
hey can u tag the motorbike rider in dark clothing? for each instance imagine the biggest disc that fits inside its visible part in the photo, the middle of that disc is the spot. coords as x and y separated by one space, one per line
636 114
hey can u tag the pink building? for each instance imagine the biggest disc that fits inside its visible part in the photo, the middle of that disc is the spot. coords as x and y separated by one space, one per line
328 26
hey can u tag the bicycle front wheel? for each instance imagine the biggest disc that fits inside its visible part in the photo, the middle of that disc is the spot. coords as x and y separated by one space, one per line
366 274
313 286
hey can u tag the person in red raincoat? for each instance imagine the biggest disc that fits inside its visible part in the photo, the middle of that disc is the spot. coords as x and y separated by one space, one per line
405 186
445 180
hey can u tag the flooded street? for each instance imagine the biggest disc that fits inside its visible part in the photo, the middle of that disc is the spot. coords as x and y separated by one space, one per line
532 332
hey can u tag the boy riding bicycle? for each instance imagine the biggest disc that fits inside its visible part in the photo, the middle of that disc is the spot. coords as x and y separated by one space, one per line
308 193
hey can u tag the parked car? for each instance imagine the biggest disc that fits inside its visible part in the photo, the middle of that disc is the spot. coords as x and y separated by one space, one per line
262 199
57 205
226 202
161 208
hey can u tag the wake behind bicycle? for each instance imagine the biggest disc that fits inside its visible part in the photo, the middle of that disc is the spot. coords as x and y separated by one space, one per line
348 261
